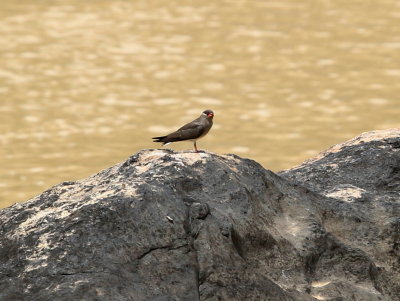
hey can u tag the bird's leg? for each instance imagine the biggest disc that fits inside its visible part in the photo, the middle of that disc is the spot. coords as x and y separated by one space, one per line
195 147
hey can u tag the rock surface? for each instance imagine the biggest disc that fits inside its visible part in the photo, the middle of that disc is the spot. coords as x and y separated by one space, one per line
200 226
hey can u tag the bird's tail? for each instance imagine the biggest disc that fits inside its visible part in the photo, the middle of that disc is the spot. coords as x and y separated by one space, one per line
160 139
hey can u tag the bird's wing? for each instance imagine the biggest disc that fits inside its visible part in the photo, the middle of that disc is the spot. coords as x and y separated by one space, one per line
191 125
187 132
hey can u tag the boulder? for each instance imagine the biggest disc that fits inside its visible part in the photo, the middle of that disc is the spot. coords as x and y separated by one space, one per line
167 225
361 179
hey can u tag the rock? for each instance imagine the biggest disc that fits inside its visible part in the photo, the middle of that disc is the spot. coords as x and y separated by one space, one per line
361 178
199 226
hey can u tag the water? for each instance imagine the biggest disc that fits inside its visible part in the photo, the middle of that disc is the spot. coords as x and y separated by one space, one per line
85 84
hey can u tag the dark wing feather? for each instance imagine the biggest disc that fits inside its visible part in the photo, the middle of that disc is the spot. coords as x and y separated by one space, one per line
191 125
159 139
192 130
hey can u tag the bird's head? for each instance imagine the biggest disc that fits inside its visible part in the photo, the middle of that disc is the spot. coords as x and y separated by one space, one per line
209 114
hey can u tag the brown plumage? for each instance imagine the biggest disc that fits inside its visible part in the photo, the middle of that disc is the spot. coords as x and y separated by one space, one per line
193 131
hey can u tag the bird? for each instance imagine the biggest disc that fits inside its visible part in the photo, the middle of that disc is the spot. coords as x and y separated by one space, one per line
193 131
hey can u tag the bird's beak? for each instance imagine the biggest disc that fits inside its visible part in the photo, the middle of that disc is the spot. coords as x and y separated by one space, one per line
210 115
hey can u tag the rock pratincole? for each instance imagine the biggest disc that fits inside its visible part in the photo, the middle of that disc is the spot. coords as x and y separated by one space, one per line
193 131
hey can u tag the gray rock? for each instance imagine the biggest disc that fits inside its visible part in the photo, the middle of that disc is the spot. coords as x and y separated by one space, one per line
199 226
361 178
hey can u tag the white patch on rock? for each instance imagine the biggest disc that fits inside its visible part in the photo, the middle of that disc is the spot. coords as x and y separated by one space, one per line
320 283
346 192
191 158
319 297
32 221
